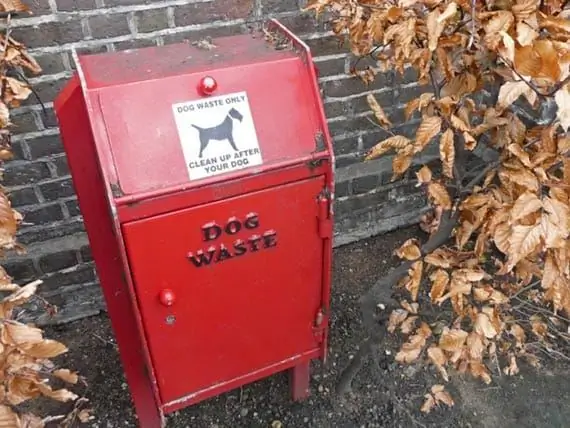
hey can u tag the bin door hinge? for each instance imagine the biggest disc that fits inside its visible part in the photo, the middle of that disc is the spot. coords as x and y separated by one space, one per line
325 223
320 326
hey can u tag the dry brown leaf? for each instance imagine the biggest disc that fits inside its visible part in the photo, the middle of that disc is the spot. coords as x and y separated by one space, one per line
479 370
14 6
414 279
523 241
484 326
475 346
442 396
429 403
562 99
22 294
512 369
66 375
518 333
511 91
402 161
526 204
539 327
410 350
438 195
438 359
452 340
8 419
408 325
378 111
409 250
46 348
438 395
440 279
447 152
410 307
392 143
16 333
32 421
428 129
489 294
424 175
441 258
397 316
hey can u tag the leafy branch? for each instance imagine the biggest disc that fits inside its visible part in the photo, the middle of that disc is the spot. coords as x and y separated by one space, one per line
27 371
497 236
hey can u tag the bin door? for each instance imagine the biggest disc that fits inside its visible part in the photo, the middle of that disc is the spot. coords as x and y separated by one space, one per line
246 280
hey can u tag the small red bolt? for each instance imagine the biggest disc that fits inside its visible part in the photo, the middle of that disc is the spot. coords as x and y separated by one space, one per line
208 85
167 297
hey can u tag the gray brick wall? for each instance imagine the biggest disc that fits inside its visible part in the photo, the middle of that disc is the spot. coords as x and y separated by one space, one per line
38 180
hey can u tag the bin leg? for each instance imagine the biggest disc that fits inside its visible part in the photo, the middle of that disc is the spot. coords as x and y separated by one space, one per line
299 379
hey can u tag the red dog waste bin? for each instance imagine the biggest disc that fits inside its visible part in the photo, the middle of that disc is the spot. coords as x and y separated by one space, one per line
205 178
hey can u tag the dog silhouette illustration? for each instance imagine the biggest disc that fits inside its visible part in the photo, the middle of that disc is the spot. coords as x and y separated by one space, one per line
221 132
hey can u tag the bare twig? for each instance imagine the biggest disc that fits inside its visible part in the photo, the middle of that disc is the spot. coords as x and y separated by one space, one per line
381 127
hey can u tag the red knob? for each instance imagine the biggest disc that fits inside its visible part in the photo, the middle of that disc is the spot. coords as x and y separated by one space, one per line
167 297
208 85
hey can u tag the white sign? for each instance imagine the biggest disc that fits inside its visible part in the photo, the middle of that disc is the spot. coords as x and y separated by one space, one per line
217 135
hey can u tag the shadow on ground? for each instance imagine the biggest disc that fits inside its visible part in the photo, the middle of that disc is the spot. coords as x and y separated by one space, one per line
531 399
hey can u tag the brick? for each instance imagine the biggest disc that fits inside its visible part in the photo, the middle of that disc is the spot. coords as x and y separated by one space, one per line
57 261
18 150
304 24
73 5
73 208
43 215
82 275
370 139
57 189
20 270
215 32
49 119
216 10
328 45
18 174
24 122
50 64
109 25
24 196
135 44
85 253
45 91
364 184
368 200
276 6
45 146
151 20
337 109
30 235
40 7
61 166
341 189
49 34
345 146
111 3
408 93
342 161
331 67
410 75
94 49
350 125
352 85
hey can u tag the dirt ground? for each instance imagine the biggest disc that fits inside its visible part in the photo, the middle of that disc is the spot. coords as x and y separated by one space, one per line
534 398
